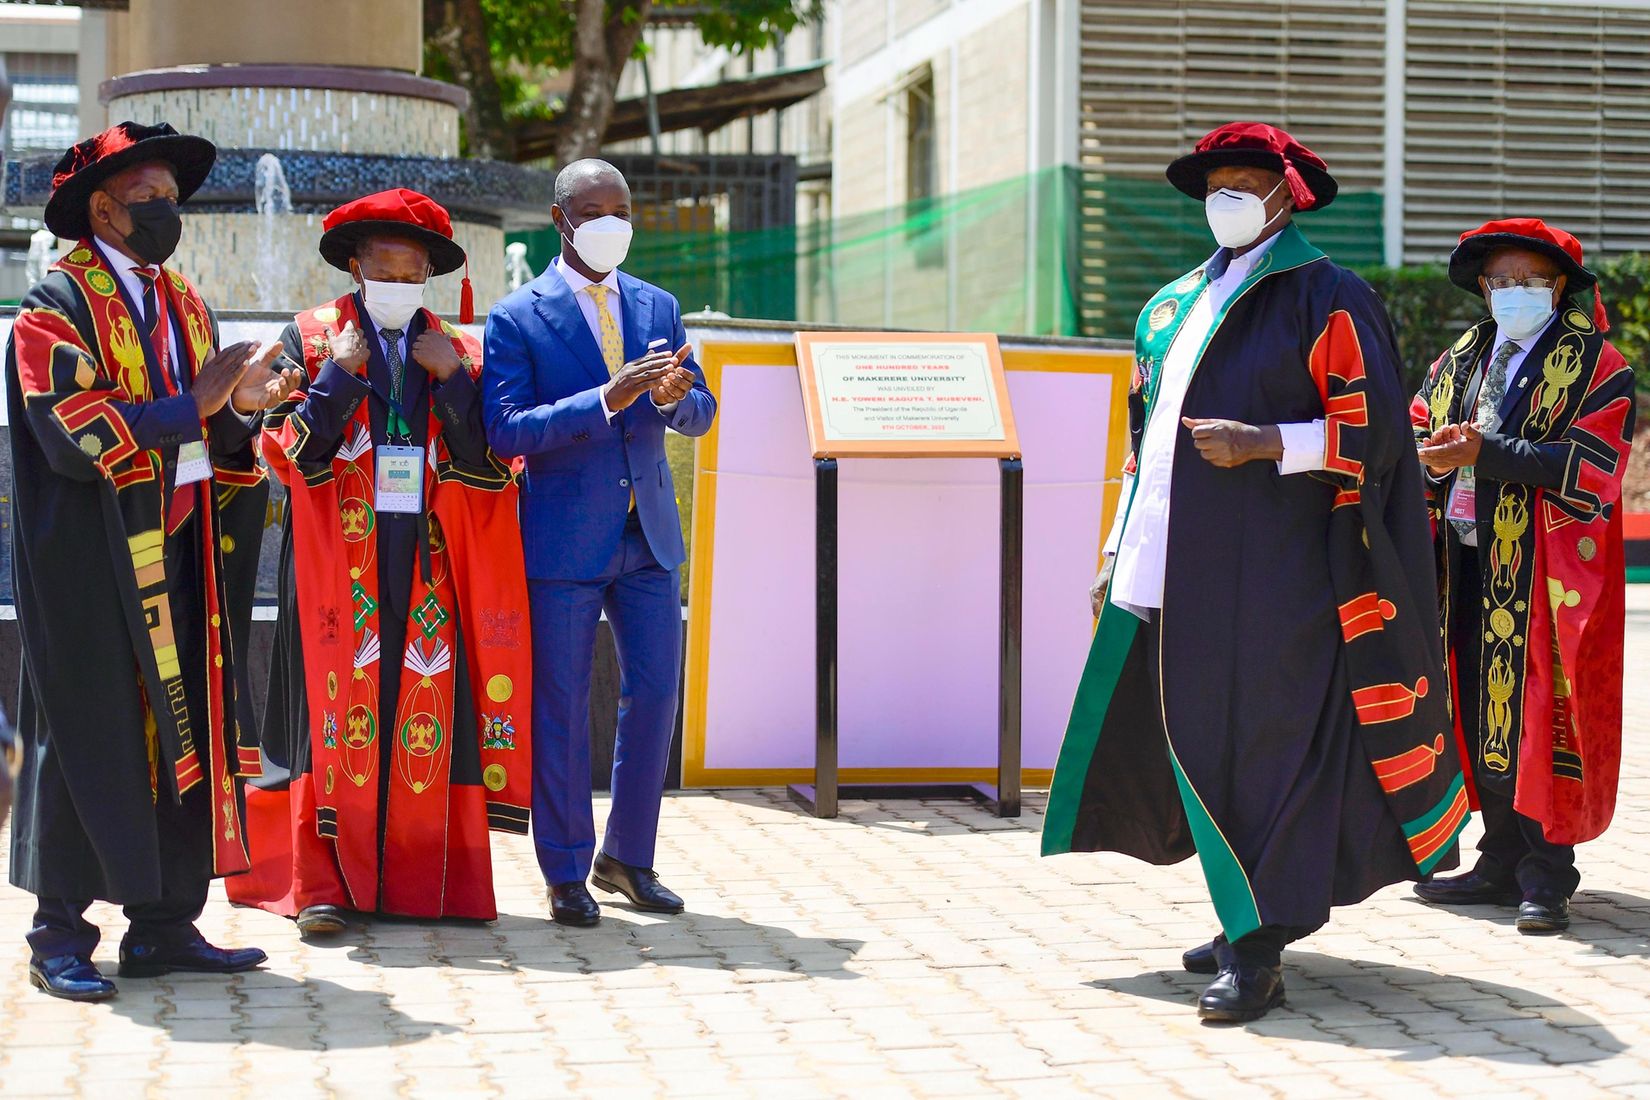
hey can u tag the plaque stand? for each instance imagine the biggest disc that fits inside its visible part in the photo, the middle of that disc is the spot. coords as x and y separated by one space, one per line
821 797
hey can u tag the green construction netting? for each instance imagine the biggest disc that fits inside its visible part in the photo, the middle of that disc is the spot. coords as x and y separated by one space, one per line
1064 252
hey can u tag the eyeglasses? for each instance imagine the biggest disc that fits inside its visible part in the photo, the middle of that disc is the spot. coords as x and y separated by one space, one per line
1534 282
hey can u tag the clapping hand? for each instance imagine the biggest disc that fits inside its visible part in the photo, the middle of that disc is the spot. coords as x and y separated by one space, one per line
219 376
677 382
1451 447
263 387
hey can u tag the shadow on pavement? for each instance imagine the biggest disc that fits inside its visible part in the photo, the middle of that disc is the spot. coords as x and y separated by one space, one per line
1610 923
265 1007
1625 920
697 940
917 817
1419 1015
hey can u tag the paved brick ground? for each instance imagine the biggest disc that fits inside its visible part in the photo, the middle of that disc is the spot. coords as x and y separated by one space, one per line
901 950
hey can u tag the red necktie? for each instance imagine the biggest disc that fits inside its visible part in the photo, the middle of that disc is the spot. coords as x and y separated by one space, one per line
159 321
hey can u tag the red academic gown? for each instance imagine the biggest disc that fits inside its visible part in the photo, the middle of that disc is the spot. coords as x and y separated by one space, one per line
389 800
1551 552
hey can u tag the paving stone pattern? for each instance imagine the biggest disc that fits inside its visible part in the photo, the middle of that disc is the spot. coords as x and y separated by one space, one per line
905 949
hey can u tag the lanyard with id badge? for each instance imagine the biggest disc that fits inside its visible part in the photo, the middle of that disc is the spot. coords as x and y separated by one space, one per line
400 482
1463 497
399 486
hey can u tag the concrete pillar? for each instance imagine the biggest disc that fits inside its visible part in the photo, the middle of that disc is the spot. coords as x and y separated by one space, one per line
385 34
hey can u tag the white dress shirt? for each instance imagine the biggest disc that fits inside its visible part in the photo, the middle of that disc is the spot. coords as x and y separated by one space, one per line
126 270
587 304
615 308
1139 540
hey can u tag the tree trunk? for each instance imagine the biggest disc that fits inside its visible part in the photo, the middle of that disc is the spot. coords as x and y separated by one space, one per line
458 29
601 46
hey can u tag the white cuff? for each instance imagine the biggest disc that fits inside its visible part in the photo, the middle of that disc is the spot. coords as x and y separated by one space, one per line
1303 447
1116 537
607 412
667 409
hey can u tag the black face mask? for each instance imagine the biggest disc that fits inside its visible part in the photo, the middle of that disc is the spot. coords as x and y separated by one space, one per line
156 227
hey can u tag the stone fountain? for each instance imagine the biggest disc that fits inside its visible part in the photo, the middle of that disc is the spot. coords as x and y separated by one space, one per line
311 103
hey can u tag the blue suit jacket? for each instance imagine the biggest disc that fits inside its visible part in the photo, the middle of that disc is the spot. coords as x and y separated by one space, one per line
542 399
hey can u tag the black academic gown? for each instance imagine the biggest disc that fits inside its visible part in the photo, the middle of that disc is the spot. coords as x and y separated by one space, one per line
90 822
1300 761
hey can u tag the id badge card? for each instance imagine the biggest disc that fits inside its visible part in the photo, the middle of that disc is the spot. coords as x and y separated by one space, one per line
400 479
1463 497
193 465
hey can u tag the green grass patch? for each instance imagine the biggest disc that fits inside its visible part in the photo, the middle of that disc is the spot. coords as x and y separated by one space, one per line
679 452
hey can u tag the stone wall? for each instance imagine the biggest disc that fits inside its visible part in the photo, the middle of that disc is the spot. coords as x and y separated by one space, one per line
982 95
311 119
220 253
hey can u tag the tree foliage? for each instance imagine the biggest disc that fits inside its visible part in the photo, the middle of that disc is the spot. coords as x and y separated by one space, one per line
504 51
1429 312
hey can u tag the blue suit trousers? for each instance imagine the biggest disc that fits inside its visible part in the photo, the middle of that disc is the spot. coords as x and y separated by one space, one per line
642 600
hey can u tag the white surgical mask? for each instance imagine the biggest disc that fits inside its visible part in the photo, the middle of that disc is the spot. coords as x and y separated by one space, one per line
1237 218
392 305
602 243
1521 310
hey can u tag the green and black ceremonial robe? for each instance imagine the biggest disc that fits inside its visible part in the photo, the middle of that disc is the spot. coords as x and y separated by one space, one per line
1294 732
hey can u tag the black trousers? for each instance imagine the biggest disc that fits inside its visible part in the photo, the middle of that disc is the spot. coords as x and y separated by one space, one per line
182 828
1264 946
61 928
1513 849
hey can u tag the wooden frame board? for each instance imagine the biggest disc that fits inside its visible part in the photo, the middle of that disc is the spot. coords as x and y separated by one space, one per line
949 380
718 354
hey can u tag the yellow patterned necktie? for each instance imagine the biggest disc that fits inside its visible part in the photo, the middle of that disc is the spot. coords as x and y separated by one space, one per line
612 343
612 339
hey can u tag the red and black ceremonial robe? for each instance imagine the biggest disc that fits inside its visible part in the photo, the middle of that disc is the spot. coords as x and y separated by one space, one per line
129 693
379 815
1551 555
1289 724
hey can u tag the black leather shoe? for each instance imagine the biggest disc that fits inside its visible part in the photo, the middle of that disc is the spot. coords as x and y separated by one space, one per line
144 960
572 905
1470 888
1240 994
1543 912
1201 960
639 884
71 977
320 920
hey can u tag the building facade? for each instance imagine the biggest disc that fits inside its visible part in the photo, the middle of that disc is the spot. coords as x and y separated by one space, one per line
1434 115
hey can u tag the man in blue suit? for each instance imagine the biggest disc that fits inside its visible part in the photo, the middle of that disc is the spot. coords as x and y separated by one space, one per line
586 368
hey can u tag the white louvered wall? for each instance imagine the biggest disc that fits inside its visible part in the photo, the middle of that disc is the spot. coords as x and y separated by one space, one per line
1538 109
1511 108
1155 77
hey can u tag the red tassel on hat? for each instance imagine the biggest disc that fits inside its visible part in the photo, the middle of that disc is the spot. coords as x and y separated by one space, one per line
1601 320
1298 190
466 298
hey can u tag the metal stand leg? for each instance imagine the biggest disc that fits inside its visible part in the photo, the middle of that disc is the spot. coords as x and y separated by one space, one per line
1012 565
821 798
